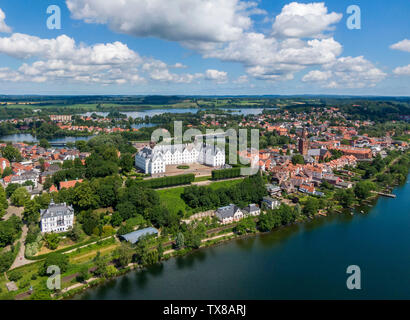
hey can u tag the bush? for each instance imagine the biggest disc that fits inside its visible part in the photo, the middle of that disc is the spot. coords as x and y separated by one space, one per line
54 259
166 181
83 275
226 173
15 276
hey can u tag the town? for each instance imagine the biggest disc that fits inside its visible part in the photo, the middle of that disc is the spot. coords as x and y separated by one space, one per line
113 199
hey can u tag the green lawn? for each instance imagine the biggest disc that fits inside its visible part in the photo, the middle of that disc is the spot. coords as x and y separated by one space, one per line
171 198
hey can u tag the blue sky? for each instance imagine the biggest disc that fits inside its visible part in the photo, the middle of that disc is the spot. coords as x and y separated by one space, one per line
205 47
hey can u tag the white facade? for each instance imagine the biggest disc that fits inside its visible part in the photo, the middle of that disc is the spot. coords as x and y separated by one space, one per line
57 218
155 160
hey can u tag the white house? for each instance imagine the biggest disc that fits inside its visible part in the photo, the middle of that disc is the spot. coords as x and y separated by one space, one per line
155 160
271 203
252 210
57 218
24 177
229 214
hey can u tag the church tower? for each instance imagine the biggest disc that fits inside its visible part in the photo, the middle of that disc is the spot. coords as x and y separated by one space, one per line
303 143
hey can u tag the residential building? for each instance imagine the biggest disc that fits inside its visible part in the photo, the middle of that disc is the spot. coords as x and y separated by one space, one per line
271 203
252 210
57 218
24 177
229 214
61 118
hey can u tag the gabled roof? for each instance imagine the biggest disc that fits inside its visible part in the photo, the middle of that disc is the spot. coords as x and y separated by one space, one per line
69 184
227 212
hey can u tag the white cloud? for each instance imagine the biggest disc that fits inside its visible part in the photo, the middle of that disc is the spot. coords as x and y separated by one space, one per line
222 29
242 79
347 72
3 26
403 45
317 75
402 71
304 20
61 59
216 75
176 20
63 47
270 59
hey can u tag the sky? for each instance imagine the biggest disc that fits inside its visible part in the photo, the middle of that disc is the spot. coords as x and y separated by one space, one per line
204 47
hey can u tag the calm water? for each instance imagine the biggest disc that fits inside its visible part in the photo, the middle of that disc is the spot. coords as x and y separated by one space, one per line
20 137
300 262
154 112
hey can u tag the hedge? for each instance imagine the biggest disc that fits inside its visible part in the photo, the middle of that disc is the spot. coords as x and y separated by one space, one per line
226 173
167 181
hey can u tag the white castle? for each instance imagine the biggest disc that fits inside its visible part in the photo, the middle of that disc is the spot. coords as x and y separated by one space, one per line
154 160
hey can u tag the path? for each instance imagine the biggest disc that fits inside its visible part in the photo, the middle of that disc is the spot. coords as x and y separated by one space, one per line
20 259
77 285
200 183
13 210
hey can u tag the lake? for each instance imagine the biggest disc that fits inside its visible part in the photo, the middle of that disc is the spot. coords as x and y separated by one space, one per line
20 137
154 112
306 261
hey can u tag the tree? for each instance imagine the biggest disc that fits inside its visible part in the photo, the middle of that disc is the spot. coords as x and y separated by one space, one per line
362 189
44 143
31 211
52 240
311 206
100 265
123 254
245 226
12 154
84 197
83 275
126 162
6 172
75 233
298 159
180 240
116 219
54 259
11 188
345 197
20 197
3 201
91 220
48 183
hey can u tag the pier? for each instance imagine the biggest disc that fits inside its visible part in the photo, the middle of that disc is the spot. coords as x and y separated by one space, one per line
389 195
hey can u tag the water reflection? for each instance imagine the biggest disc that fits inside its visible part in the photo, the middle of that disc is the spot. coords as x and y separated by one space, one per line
189 260
305 261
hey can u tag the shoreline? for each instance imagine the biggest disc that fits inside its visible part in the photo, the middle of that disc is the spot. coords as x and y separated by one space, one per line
370 202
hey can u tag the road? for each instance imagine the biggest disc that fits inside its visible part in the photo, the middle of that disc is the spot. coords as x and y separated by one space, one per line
20 259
